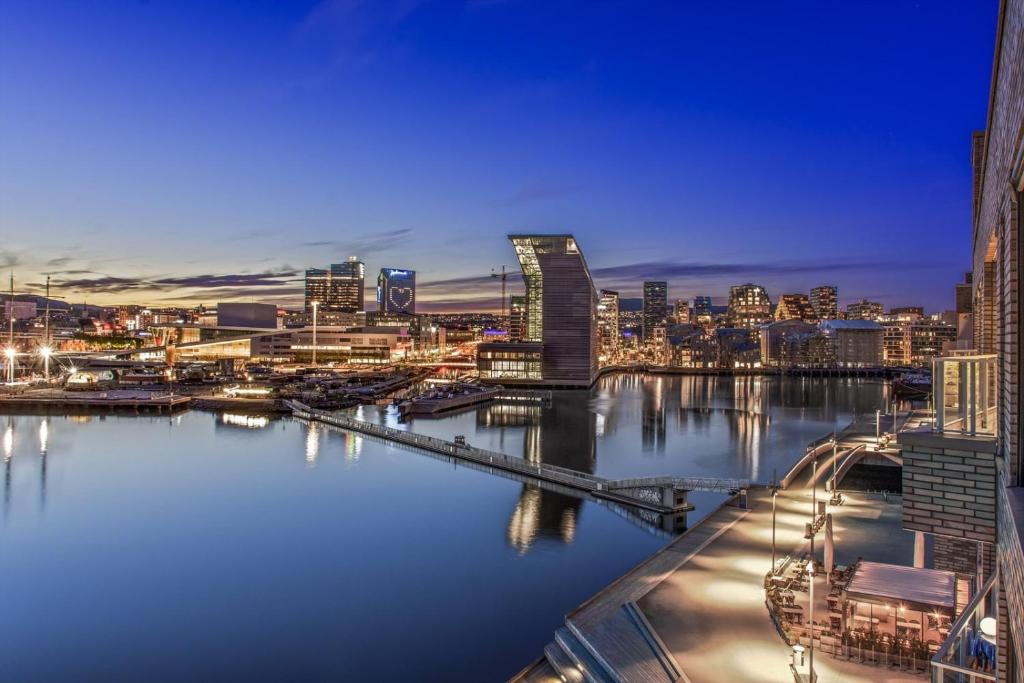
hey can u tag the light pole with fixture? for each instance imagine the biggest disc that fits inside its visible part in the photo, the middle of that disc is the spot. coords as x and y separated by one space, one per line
315 305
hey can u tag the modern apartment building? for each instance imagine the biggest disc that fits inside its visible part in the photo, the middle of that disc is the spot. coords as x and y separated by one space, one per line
795 307
962 477
865 310
655 306
825 302
681 312
702 313
749 306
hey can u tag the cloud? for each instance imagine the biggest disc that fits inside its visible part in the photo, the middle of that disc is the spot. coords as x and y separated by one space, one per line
667 270
9 259
365 246
58 262
241 280
540 191
463 281
243 284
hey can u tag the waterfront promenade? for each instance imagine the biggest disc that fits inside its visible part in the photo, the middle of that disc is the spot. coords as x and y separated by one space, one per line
703 598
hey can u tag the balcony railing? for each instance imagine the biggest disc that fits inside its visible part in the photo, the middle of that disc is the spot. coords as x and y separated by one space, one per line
964 394
969 654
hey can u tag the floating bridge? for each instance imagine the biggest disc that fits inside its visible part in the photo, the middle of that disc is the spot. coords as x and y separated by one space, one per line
662 495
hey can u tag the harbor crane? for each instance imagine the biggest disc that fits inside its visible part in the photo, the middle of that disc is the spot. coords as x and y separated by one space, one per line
504 279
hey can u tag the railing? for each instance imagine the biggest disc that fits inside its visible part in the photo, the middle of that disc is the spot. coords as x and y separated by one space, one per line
967 655
964 394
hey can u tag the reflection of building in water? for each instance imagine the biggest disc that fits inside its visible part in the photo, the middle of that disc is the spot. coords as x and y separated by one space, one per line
652 417
564 434
542 514
8 457
508 415
44 439
247 421
312 443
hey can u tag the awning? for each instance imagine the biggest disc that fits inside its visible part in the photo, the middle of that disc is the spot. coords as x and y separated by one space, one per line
909 586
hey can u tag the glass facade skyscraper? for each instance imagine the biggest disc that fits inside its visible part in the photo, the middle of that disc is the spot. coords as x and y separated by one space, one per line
396 291
338 290
655 307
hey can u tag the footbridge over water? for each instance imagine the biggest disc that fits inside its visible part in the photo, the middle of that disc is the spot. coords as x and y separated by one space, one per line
662 495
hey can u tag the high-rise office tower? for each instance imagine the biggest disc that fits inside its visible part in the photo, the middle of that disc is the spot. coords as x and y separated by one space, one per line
655 306
608 322
702 309
346 289
749 306
318 285
396 291
825 302
682 311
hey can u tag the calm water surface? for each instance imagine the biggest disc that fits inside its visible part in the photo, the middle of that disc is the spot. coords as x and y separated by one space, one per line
216 547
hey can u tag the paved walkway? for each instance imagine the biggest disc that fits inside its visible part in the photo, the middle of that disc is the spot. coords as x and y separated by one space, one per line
711 614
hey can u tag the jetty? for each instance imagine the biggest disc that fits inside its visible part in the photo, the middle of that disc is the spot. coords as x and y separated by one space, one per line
660 495
111 400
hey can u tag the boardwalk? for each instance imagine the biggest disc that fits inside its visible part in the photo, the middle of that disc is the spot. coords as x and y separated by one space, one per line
662 495
702 595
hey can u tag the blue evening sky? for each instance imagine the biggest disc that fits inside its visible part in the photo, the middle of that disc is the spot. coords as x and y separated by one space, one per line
200 150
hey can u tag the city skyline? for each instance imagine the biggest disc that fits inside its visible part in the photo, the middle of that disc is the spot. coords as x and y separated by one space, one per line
219 165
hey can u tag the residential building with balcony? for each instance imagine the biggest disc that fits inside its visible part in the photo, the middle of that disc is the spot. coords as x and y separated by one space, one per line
795 307
749 306
865 310
963 476
608 323
825 302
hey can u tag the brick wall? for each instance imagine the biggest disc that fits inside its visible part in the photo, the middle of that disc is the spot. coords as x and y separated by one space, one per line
949 485
1011 569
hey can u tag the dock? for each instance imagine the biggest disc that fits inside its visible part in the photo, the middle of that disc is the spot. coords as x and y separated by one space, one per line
660 495
112 400
695 610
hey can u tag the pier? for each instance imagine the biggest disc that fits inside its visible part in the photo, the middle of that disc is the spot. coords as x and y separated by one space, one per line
661 495
695 611
112 400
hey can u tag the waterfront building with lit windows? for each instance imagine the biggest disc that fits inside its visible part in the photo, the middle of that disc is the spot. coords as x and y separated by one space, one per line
795 307
825 302
854 343
749 306
865 310
608 323
655 306
561 317
396 291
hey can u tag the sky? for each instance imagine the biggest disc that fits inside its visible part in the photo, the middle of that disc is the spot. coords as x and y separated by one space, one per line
196 151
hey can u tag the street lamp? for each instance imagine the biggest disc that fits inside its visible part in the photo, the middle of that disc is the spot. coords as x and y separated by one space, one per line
46 352
10 352
315 305
810 573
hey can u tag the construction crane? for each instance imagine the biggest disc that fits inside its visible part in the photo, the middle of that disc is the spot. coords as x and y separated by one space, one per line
504 278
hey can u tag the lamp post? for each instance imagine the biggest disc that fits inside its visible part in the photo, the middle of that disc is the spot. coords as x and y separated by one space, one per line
810 572
46 352
10 353
316 304
775 492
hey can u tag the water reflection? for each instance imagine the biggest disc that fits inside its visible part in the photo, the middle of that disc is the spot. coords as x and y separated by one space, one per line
312 442
632 425
540 513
